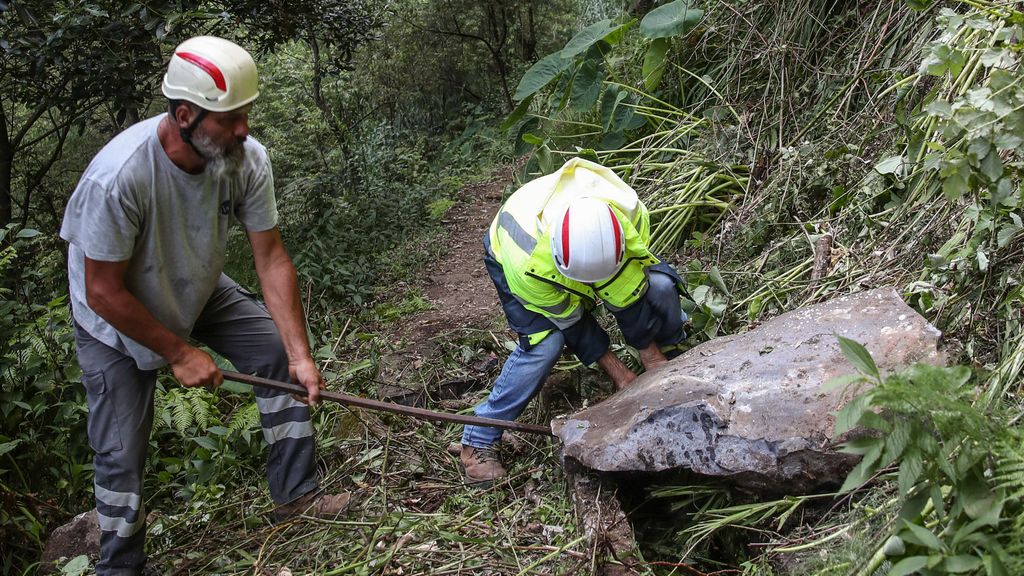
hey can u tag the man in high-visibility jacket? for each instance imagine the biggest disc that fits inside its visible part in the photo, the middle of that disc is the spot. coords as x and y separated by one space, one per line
560 244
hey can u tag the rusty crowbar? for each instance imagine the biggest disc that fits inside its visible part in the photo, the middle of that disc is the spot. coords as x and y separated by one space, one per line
421 413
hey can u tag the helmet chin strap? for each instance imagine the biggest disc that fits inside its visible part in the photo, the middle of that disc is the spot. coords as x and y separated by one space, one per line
186 133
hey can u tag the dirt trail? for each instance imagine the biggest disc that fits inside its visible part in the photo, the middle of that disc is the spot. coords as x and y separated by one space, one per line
462 302
461 297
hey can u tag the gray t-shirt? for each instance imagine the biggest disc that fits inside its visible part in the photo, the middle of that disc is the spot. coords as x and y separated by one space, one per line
132 203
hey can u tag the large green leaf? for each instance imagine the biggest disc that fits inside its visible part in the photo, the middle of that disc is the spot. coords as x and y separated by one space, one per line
910 470
849 416
516 114
76 566
545 159
205 442
921 536
613 140
586 87
841 382
635 120
654 63
892 165
858 356
616 36
613 96
27 233
961 563
672 19
8 446
715 275
521 146
908 565
589 36
863 471
540 74
559 98
955 186
623 115
861 445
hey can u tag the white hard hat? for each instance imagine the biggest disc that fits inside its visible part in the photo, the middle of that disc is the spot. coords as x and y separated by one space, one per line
587 241
212 73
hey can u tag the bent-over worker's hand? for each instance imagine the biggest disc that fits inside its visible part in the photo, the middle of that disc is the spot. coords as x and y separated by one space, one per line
307 374
195 368
651 357
620 374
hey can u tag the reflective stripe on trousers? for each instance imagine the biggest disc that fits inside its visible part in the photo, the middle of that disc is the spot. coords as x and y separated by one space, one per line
120 399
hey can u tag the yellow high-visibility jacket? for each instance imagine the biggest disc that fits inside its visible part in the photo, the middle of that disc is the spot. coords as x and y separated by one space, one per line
520 242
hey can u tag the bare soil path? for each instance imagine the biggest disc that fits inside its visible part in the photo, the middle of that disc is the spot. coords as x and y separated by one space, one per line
461 304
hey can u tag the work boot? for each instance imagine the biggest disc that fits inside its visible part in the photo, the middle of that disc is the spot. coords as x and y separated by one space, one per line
315 504
481 466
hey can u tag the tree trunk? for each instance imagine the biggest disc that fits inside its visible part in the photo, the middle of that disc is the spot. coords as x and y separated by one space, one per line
499 35
6 167
318 97
35 181
528 36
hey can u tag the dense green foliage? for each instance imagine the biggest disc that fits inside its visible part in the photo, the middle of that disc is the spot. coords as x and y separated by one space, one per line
956 467
887 137
363 164
760 134
45 456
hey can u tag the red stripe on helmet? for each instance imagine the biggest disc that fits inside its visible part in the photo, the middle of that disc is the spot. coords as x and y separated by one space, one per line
618 235
208 67
565 240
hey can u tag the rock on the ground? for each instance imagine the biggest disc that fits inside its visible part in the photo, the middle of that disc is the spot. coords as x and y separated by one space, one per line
750 407
81 535
603 521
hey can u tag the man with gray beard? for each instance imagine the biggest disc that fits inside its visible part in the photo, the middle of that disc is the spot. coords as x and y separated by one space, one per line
148 227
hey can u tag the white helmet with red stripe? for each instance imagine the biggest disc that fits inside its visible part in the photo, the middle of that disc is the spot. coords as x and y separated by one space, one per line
587 241
212 73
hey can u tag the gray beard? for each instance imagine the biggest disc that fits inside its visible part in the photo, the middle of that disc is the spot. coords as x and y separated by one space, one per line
221 162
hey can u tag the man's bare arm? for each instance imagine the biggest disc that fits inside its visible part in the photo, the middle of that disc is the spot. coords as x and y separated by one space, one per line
281 293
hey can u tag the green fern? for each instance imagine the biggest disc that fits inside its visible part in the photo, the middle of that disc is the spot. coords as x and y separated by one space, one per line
961 472
37 345
245 418
180 410
201 402
183 408
1009 474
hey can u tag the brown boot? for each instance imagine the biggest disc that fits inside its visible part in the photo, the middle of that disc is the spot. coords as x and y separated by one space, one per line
315 504
481 466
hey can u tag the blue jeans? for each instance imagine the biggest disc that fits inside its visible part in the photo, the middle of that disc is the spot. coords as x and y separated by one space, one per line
521 378
656 317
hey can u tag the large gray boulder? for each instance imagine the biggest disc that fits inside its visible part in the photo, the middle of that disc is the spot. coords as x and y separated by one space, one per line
750 407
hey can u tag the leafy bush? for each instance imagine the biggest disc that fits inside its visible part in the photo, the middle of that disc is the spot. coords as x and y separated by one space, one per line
45 458
337 225
958 471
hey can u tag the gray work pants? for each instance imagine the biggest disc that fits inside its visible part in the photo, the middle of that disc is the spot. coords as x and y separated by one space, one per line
120 398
